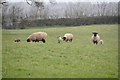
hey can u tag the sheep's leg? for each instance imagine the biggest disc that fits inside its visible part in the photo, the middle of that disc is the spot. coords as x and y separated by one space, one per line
70 40
58 41
43 40
95 42
67 40
36 40
33 40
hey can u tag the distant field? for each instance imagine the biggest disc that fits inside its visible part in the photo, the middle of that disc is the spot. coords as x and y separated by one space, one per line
78 59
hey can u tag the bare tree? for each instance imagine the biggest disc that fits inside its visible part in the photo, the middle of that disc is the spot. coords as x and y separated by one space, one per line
12 16
2 4
3 13
46 11
101 8
39 4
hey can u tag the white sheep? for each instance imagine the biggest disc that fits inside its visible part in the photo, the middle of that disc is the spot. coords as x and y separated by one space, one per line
37 36
95 38
68 37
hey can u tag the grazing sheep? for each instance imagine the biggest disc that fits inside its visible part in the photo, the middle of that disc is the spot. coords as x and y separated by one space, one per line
37 36
68 37
100 42
95 38
17 40
59 39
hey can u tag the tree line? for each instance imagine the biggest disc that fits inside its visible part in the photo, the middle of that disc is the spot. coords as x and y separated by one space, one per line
65 14
71 21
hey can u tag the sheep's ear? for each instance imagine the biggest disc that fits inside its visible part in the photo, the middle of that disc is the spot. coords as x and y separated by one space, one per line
94 33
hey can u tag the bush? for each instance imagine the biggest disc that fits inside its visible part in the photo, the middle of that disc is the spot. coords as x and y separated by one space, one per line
68 21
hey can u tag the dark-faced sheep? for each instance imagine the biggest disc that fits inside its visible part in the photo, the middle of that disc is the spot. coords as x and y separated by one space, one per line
17 40
37 36
95 38
68 37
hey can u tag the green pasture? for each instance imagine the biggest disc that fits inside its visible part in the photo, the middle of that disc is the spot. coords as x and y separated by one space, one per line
77 59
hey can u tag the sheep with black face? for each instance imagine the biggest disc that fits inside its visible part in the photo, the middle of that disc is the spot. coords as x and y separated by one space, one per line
37 36
95 38
17 40
68 37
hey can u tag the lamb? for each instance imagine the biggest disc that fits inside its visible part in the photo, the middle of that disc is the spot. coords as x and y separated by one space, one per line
59 39
17 40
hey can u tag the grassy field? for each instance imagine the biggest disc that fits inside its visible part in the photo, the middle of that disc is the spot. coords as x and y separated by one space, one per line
78 59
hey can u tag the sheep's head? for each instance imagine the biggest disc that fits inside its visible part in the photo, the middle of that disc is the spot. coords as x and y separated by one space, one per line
95 33
64 38
28 40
